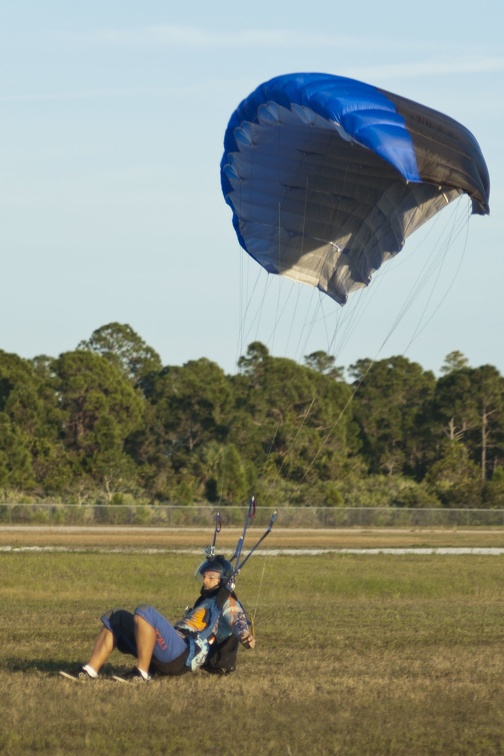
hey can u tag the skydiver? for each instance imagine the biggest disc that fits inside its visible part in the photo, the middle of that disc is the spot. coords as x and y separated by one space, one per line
206 637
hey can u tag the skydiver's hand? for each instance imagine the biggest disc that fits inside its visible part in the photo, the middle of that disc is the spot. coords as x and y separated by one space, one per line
248 641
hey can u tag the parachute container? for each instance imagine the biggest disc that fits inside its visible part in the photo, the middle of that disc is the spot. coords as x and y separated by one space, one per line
327 176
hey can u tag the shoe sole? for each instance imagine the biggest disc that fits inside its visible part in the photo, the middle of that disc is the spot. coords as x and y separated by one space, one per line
67 676
131 681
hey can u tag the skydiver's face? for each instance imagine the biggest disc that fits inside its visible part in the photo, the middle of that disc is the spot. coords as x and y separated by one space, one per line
210 580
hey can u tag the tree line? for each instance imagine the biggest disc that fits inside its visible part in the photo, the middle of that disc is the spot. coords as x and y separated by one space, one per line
108 422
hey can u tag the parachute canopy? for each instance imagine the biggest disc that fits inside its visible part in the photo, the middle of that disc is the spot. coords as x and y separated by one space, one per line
327 176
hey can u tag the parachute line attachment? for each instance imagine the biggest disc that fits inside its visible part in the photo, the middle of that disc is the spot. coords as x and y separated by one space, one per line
210 550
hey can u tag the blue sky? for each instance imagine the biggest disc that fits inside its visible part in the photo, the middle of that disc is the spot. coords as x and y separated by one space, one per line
112 117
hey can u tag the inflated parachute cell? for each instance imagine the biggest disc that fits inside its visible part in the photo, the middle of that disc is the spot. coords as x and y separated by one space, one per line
327 176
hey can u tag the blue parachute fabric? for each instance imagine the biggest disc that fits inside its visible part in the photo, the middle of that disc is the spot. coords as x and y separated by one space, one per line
364 112
327 176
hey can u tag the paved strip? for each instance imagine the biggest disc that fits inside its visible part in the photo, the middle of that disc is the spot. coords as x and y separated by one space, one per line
443 551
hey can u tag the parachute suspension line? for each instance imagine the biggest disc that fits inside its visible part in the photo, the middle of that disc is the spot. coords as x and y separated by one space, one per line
287 460
356 311
250 321
279 235
281 305
343 411
432 267
303 239
330 432
312 314
293 286
236 558
343 320
347 317
210 550
448 244
239 565
259 591
253 319
314 311
239 546
247 295
243 299
277 301
288 455
336 422
243 305
280 311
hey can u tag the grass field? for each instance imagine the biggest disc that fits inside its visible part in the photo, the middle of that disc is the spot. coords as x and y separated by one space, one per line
371 654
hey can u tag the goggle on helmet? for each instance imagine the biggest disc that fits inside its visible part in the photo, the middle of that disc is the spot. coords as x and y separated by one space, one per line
217 563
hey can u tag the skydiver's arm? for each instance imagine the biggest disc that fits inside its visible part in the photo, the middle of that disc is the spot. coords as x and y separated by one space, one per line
235 615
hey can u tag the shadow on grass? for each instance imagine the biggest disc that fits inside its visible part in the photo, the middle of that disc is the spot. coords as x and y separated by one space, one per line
52 666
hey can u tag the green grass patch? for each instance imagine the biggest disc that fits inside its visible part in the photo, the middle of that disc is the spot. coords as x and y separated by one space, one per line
370 654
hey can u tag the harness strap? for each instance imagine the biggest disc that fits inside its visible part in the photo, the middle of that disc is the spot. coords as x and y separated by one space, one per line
199 643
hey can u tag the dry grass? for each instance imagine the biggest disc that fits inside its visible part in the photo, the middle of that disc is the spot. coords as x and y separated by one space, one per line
356 655
280 538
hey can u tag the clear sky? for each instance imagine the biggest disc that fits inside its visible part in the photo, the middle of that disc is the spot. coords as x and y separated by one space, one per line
112 115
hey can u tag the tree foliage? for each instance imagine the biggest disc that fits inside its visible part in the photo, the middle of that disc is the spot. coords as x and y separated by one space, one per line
108 419
392 411
125 349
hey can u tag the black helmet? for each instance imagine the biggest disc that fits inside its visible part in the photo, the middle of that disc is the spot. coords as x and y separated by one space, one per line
217 563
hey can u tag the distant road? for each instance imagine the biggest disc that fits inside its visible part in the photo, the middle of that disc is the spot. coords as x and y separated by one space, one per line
196 528
280 540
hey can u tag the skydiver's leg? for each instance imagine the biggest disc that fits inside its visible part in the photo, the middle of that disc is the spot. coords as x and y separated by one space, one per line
103 647
145 637
156 637
118 631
